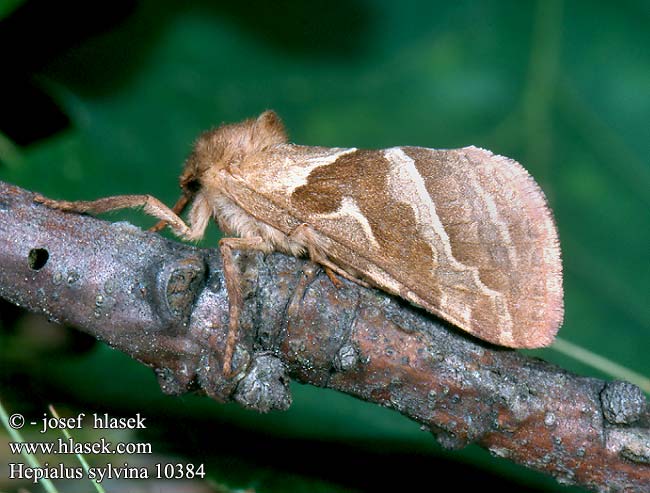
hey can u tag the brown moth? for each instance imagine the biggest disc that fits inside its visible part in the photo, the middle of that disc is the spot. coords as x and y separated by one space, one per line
463 233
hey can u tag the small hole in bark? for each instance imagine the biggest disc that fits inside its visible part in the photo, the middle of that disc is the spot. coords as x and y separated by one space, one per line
37 258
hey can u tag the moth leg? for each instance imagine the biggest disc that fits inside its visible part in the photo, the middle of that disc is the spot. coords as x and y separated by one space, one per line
309 274
305 234
178 208
335 280
233 287
152 206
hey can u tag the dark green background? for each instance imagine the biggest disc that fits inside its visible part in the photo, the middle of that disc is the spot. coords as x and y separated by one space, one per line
110 103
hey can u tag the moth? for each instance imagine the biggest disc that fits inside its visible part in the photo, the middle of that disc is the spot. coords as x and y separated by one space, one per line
463 233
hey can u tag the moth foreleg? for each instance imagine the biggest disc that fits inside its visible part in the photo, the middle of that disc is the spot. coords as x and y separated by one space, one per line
305 235
178 208
151 206
233 287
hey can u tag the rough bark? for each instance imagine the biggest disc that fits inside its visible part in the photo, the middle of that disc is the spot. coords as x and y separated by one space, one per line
165 304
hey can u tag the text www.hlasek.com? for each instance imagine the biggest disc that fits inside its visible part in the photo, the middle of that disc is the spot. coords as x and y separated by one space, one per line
70 446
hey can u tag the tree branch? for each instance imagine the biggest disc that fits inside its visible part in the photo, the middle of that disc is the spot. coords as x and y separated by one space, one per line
165 304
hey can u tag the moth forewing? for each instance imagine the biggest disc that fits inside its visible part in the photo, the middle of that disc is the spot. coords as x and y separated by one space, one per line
462 233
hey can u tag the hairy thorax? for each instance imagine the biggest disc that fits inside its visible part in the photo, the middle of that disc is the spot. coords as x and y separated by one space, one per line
233 220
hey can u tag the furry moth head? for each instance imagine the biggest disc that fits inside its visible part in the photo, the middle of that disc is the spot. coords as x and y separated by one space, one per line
227 145
463 233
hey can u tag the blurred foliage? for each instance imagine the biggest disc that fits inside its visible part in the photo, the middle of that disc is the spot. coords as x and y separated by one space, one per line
112 106
8 6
